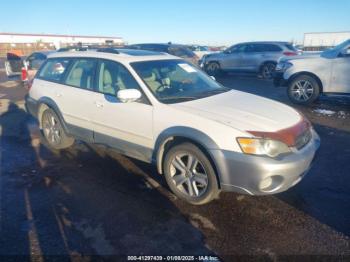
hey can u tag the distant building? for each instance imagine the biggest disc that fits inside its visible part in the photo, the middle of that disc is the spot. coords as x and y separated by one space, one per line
321 41
27 43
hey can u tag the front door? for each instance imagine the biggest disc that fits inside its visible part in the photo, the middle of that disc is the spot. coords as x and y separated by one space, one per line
126 127
233 58
341 73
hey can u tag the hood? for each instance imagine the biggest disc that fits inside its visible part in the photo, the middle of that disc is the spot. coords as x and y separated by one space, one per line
215 55
243 111
313 55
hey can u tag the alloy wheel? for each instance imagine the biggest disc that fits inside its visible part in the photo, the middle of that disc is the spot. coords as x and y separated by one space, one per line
213 68
188 175
302 90
51 128
268 70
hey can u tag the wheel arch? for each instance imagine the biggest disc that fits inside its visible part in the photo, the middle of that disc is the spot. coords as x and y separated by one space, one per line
267 62
178 135
294 76
45 103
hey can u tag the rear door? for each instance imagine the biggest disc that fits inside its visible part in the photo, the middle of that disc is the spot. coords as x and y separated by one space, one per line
127 127
253 57
69 83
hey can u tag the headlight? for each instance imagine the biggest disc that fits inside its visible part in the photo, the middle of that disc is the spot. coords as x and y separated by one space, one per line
283 66
261 146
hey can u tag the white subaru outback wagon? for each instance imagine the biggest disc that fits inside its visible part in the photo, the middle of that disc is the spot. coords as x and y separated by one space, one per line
204 138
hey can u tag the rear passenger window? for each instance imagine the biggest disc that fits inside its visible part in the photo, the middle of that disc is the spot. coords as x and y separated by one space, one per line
82 74
54 69
113 77
272 48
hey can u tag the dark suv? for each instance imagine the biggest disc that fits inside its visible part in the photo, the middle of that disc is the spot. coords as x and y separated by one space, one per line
173 49
255 57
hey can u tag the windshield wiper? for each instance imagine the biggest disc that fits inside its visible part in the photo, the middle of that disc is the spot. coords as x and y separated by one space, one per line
215 92
177 98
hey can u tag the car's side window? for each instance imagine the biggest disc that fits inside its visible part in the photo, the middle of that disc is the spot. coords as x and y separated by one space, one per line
272 48
82 73
113 77
237 48
54 69
253 48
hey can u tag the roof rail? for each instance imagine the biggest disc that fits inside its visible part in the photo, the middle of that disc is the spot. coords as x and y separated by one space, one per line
108 50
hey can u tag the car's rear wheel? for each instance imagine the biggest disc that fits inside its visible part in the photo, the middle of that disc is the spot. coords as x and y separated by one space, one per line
190 174
267 70
53 131
303 90
213 69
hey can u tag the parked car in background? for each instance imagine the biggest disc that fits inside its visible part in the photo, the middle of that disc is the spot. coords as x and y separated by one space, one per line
161 109
173 49
200 51
32 63
13 63
27 67
308 76
254 57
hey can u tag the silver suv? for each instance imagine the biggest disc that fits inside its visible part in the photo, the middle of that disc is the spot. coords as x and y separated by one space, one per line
309 76
255 57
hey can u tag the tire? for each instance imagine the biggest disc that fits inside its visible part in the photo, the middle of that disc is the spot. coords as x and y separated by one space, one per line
267 70
196 180
53 131
213 69
303 90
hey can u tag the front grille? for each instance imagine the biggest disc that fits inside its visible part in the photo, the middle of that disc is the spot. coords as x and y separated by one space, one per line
303 139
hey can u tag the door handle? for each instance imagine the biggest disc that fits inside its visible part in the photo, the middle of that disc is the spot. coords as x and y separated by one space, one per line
99 104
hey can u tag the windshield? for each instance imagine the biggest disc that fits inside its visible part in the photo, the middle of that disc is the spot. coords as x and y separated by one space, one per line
174 81
338 47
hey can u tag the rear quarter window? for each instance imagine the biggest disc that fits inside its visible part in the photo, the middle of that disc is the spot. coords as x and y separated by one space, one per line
54 69
290 47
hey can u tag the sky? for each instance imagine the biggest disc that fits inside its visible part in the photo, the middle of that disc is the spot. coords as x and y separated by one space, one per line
213 22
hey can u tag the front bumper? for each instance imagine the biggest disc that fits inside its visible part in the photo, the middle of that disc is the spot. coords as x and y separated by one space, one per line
246 174
278 79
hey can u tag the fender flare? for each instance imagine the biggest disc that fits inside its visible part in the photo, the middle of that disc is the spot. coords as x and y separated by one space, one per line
297 74
186 133
51 104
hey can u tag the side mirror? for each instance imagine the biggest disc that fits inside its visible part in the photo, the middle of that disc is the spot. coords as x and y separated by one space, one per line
128 95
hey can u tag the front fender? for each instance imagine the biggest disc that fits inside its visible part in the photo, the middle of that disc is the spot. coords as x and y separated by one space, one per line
184 132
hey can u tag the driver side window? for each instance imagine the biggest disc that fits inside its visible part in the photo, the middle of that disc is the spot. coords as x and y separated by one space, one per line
113 77
236 49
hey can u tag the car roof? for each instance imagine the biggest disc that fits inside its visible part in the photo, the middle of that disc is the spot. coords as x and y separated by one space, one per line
266 42
123 56
132 52
161 44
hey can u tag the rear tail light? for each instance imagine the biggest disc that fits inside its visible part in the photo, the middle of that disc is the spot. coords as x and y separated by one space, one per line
24 74
290 53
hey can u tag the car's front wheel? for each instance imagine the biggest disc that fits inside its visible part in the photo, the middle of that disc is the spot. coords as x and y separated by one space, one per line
213 69
190 174
303 90
53 130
